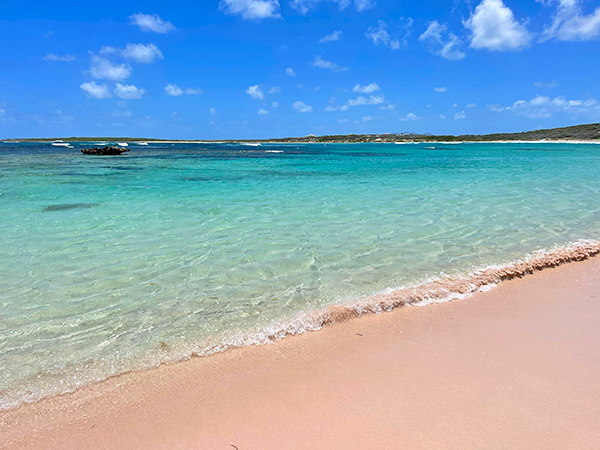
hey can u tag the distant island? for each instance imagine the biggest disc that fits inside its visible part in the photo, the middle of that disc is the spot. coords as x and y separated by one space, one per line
588 132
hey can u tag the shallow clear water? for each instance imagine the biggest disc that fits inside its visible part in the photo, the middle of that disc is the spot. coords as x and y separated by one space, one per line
115 263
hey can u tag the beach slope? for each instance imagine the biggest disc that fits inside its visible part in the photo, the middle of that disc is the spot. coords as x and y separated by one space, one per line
515 367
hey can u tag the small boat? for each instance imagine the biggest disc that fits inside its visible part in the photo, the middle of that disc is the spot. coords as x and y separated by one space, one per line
141 143
60 144
122 144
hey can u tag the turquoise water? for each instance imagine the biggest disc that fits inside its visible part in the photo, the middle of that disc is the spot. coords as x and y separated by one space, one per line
109 264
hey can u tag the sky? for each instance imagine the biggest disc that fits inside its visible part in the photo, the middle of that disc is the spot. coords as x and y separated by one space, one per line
234 69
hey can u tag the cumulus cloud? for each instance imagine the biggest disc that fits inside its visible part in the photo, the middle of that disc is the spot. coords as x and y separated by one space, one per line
440 89
128 91
570 24
251 9
275 90
301 107
323 64
496 108
548 85
410 116
95 90
460 115
275 104
380 34
472 105
439 41
173 90
493 27
102 68
290 72
389 107
542 107
335 36
359 101
142 53
255 92
212 111
151 22
60 58
367 89
306 5
262 112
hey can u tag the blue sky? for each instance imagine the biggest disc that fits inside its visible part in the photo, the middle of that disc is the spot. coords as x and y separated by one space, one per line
217 69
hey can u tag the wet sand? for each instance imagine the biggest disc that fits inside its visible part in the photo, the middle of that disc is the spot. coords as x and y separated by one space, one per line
515 367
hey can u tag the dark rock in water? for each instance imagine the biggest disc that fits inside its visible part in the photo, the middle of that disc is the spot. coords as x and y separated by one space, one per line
67 206
103 151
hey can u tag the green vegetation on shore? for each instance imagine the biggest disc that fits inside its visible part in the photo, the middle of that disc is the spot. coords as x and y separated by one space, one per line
589 132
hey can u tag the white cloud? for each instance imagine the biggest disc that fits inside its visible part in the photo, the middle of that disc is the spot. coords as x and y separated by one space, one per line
262 112
367 89
455 105
363 5
410 116
496 108
2 111
151 22
342 120
306 5
142 53
61 58
290 72
460 115
371 100
366 119
359 101
569 24
301 107
251 9
380 35
440 89
542 107
493 27
549 85
128 91
96 90
255 92
439 44
441 116
323 64
173 90
335 36
212 111
472 105
275 90
389 107
102 68
275 104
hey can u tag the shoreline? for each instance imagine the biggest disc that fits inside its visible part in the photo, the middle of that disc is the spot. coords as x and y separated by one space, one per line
439 289
130 398
251 142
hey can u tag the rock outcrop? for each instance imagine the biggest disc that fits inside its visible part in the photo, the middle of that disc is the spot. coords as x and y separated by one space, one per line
104 151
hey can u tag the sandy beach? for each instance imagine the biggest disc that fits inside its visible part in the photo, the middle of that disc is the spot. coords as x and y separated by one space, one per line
515 367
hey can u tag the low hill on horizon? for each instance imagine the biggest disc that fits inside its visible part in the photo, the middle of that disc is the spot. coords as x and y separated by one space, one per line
587 132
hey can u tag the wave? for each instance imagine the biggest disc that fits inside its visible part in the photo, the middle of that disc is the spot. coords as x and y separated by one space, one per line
439 290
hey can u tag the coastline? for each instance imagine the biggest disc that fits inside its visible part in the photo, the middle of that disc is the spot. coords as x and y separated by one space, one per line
259 141
513 366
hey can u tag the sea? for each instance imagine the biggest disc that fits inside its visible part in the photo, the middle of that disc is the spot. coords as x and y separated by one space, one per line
119 263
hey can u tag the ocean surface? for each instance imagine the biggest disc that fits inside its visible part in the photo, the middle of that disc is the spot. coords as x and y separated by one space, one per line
109 264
